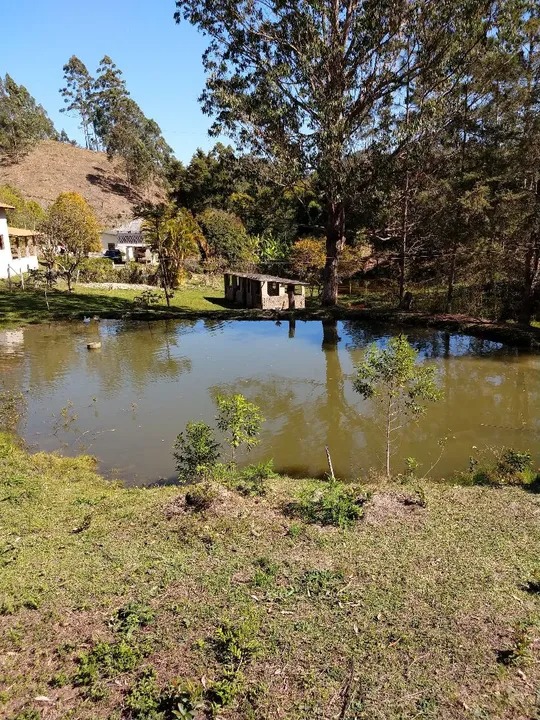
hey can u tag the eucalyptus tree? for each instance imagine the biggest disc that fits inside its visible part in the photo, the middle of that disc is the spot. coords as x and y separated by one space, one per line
78 94
304 82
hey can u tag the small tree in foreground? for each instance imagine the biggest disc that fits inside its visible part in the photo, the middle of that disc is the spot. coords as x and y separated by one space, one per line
196 451
240 421
393 378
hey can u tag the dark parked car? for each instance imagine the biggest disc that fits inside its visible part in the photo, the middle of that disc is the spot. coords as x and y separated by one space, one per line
114 255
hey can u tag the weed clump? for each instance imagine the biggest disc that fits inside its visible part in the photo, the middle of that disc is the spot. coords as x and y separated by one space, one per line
510 467
108 660
130 617
201 497
330 504
145 700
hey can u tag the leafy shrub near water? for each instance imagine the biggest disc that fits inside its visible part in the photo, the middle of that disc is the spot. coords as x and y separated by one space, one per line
196 452
331 503
509 467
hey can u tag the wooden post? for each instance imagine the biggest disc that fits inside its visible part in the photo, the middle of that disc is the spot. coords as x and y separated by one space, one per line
330 466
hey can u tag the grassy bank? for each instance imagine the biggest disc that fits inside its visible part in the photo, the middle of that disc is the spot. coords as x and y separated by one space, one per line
18 307
129 603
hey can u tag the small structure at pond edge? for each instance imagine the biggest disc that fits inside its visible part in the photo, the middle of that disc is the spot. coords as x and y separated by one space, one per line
265 291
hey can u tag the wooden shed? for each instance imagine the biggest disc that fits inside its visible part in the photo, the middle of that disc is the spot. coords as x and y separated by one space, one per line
265 291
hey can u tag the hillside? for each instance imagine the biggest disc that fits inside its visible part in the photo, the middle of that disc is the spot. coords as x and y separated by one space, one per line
55 167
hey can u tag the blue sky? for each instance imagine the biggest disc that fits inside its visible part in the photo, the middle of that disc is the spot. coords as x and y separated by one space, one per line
161 61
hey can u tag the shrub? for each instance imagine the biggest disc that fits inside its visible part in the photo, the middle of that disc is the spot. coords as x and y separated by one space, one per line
510 467
148 297
196 451
97 270
136 274
226 236
252 479
332 504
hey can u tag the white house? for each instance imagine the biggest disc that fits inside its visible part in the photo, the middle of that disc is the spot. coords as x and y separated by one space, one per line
129 239
17 255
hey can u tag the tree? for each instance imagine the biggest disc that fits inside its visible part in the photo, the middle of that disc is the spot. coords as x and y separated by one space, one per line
308 258
78 94
23 123
226 236
240 421
123 129
174 235
71 231
305 83
196 451
393 378
27 214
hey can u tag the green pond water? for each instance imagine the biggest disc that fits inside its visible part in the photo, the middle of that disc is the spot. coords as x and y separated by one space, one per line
126 403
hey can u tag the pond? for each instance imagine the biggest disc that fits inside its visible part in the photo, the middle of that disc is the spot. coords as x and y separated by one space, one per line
126 403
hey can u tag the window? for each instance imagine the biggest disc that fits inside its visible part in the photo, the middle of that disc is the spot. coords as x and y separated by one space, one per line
273 288
2 242
298 290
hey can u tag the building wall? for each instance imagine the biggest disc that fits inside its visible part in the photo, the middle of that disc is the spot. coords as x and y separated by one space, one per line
5 252
16 266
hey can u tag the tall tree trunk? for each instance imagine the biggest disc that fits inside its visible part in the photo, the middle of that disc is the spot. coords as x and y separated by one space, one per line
404 239
451 279
335 240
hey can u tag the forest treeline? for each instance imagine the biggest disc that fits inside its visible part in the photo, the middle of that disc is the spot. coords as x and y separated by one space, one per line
413 156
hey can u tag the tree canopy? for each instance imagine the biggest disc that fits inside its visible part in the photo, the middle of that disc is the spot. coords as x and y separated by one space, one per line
307 84
23 122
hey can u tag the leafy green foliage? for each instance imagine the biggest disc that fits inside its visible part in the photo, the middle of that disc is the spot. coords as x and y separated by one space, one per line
106 660
196 451
129 618
71 227
392 377
265 572
508 467
23 123
252 479
27 213
239 420
145 700
226 236
236 643
321 582
330 503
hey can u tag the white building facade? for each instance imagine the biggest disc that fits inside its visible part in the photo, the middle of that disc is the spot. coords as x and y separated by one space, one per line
24 259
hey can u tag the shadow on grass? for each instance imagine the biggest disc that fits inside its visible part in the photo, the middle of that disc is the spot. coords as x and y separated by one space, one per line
30 306
220 302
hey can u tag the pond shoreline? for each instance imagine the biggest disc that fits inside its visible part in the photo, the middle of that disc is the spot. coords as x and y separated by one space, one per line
512 335
22 307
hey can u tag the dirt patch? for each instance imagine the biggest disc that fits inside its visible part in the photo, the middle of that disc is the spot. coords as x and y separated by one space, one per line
393 507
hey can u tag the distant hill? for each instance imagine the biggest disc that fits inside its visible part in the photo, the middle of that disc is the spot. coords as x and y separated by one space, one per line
54 167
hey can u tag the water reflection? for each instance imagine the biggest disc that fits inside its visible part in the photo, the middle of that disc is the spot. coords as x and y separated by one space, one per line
133 396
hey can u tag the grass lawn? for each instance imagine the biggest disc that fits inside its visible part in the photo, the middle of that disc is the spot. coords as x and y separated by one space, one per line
28 306
124 603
